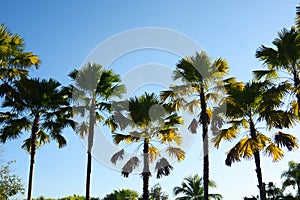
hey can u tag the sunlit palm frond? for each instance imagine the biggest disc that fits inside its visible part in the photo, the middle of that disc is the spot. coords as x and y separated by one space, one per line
263 140
176 152
153 153
247 147
295 108
117 137
170 135
225 134
274 151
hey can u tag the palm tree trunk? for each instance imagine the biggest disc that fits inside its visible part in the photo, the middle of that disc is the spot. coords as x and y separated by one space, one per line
261 185
146 171
204 120
88 175
92 121
297 84
34 131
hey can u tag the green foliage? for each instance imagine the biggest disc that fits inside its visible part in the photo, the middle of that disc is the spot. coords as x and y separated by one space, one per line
150 119
156 193
15 62
122 194
10 184
192 188
249 104
291 177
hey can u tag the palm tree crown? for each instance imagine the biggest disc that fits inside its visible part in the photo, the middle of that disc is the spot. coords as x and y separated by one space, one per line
191 189
39 107
284 57
201 88
92 90
248 106
148 120
14 61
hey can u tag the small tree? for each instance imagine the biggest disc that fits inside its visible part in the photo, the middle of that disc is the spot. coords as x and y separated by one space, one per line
10 184
122 194
156 193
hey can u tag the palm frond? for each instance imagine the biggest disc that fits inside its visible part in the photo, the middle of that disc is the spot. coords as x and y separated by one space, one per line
43 138
117 137
286 140
225 134
176 152
117 156
169 135
163 168
274 151
259 74
153 153
193 126
131 164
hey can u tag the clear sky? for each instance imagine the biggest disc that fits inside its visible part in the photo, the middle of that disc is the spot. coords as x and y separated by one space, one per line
63 33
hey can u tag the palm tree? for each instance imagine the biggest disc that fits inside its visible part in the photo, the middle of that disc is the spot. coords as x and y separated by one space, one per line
292 177
201 88
284 57
156 193
39 107
122 194
192 189
93 87
15 62
249 106
149 122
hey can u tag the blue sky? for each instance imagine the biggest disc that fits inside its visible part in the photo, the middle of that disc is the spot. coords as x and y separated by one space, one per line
63 33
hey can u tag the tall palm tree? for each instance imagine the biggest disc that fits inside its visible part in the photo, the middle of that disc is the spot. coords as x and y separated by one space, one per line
284 57
39 107
201 87
292 177
250 106
192 189
147 121
15 61
92 89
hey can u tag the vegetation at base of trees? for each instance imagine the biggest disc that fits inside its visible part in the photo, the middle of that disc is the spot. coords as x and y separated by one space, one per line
192 188
73 197
157 193
10 184
122 194
290 178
